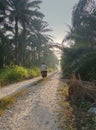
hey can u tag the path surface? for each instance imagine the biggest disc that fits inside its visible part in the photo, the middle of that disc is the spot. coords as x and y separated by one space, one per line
10 89
36 110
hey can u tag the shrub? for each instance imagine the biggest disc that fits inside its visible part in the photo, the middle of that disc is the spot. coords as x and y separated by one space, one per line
35 71
17 73
76 92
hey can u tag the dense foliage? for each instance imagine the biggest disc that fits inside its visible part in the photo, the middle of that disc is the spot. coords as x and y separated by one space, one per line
24 36
81 56
17 73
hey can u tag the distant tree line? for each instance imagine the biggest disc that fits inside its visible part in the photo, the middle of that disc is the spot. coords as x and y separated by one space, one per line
24 38
80 57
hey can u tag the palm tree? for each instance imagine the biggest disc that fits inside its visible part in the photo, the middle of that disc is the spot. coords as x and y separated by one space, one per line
38 40
42 38
5 45
28 29
83 31
83 24
22 12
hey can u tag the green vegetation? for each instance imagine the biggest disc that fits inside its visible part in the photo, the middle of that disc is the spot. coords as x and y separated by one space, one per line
82 97
24 41
24 35
34 72
5 103
73 114
66 118
17 73
80 57
79 63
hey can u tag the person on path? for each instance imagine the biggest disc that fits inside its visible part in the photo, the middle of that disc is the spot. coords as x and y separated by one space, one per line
43 70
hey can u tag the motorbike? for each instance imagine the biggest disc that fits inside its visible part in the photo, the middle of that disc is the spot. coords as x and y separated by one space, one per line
44 74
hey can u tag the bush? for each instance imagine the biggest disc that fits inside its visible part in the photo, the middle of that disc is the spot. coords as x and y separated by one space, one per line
17 73
35 71
80 60
75 89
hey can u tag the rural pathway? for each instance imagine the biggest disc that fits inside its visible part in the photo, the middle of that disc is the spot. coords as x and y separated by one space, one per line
36 110
12 88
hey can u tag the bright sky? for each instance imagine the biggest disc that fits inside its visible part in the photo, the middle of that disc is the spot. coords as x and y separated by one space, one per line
58 14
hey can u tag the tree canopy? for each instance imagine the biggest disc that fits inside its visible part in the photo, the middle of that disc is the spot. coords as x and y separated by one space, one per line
24 36
80 57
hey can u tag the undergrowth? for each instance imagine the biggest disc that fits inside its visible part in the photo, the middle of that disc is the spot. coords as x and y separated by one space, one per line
65 116
74 105
17 73
81 99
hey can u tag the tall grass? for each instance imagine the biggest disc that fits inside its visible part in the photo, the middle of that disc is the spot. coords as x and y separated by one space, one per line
17 73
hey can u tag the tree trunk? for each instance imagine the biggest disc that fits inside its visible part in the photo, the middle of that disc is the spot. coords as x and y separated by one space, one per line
16 41
1 61
1 57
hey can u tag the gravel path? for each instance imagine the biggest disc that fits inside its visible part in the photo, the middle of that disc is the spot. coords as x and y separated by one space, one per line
12 88
36 110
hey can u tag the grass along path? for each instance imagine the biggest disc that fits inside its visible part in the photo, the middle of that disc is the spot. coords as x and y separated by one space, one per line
65 115
71 116
8 101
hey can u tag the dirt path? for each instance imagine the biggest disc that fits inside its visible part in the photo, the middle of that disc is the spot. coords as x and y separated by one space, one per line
36 110
12 88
